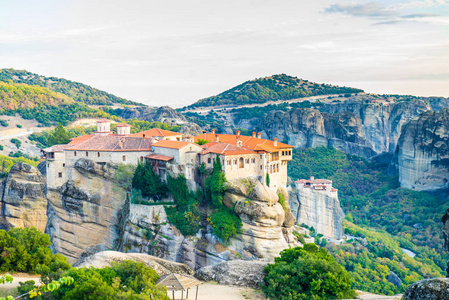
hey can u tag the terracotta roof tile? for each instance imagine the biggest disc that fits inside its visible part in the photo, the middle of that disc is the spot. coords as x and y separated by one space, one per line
171 144
247 141
113 143
159 157
225 149
155 132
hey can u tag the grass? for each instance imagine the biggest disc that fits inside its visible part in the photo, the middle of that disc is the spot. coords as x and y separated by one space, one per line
8 291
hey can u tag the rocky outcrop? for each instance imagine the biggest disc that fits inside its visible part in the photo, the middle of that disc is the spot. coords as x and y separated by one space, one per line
151 114
365 126
161 266
428 289
83 213
23 202
308 127
236 272
319 209
422 155
445 221
267 229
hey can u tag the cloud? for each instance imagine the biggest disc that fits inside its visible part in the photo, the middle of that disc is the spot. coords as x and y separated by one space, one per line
370 9
417 16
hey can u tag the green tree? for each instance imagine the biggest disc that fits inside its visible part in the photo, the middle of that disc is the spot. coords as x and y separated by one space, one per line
307 273
59 135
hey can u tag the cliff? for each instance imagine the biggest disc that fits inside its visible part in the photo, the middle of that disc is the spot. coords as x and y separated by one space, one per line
356 127
23 202
267 229
83 212
318 208
422 155
163 114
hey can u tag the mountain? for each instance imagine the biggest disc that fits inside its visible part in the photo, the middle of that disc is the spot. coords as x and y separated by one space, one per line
77 91
272 88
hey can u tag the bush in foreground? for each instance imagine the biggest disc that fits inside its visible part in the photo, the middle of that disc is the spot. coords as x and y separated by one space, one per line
307 274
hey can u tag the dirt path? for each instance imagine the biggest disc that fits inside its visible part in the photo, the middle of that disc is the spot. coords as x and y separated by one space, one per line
210 290
20 277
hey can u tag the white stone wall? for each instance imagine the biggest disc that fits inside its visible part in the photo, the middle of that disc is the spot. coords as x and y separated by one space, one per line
127 157
56 170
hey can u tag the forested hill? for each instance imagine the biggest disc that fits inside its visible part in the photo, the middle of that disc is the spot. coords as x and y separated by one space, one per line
270 88
77 91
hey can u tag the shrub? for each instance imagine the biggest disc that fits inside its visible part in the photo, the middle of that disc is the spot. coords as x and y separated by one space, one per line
149 183
4 123
307 273
226 223
16 142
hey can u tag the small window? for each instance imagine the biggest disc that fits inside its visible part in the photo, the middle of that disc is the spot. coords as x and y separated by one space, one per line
235 161
124 158
87 154
208 160
63 164
261 167
98 153
261 156
253 160
283 152
74 154
60 174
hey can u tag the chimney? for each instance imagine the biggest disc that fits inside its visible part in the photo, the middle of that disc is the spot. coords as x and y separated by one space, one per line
275 142
143 136
254 134
259 135
237 132
217 139
213 131
312 178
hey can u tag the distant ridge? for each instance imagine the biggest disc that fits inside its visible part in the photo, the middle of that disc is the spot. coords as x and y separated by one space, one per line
275 87
77 91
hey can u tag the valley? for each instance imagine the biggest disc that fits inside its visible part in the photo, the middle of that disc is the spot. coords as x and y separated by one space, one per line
374 173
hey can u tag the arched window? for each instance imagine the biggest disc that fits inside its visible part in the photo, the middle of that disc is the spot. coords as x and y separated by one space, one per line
87 154
98 153
124 158
229 162
235 161
241 163
247 161
253 160
74 154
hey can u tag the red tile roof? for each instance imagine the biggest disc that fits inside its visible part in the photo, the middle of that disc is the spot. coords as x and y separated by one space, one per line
171 144
123 125
80 139
224 149
155 132
56 148
248 142
159 157
103 121
113 143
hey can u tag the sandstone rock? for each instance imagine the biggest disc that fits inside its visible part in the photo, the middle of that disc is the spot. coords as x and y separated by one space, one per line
23 202
320 209
428 289
161 266
236 272
83 213
422 155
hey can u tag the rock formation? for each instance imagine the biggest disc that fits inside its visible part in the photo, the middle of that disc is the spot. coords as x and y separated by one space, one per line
267 229
235 272
364 127
163 114
161 266
428 289
319 209
422 155
23 202
83 213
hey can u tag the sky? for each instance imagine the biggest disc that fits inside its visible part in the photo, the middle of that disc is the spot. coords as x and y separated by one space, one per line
175 52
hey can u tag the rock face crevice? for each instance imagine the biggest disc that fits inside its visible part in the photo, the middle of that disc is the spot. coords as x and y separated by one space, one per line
83 212
318 209
422 156
356 127
267 229
23 202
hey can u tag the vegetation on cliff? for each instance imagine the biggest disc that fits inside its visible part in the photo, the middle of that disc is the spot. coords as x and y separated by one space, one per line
307 273
276 87
75 90
6 163
388 216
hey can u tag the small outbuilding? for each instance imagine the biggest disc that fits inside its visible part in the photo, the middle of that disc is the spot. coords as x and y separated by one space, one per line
176 282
